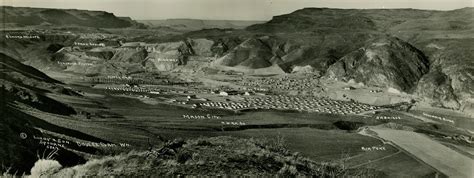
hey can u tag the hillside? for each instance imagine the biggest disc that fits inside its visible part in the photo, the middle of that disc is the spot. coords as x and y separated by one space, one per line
431 47
386 62
25 16
252 53
24 86
449 82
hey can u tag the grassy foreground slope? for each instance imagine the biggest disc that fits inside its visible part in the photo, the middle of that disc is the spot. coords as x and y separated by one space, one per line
205 156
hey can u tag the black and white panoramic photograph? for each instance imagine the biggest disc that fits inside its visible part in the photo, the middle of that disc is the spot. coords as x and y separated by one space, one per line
237 88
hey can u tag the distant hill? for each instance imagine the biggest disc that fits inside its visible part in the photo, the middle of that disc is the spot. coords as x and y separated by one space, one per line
310 19
25 16
197 24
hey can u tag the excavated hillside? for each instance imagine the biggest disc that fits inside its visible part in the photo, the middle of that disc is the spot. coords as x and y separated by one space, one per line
41 52
131 57
252 53
385 62
167 56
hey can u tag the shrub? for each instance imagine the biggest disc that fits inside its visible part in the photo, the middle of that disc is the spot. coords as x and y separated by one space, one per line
277 144
204 143
45 167
288 170
183 156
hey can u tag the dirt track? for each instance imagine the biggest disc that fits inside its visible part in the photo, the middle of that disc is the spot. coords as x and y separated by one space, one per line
440 157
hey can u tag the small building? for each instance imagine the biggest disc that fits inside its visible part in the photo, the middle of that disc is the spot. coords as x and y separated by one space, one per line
349 88
231 92
133 44
393 90
191 97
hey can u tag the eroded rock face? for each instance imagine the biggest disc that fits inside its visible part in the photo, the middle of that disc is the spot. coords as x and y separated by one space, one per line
436 87
167 56
252 53
450 82
201 47
105 55
221 46
129 56
385 62
162 62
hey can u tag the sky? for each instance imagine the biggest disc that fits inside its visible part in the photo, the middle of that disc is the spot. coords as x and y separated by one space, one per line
228 9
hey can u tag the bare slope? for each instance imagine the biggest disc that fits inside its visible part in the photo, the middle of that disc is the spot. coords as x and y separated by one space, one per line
25 84
252 53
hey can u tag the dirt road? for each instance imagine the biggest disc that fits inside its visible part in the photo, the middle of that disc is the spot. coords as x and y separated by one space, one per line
440 157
